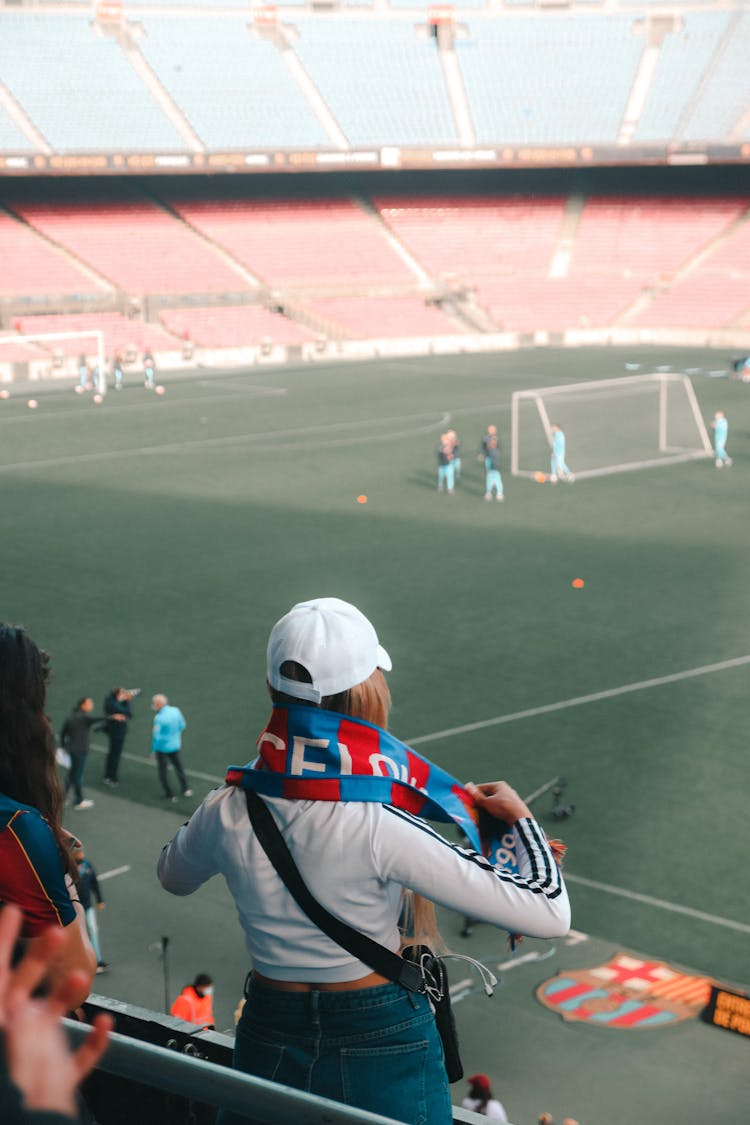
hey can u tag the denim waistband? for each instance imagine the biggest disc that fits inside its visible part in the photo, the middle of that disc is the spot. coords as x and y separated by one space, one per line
382 995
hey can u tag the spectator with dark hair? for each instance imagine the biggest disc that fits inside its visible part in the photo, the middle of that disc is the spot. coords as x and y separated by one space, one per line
195 1002
37 871
75 739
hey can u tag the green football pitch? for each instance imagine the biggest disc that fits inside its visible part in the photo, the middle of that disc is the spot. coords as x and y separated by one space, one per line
153 541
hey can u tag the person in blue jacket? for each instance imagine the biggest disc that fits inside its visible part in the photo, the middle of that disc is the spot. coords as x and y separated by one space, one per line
166 743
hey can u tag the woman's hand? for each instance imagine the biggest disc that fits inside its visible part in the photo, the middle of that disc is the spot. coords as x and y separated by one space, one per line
499 800
39 1058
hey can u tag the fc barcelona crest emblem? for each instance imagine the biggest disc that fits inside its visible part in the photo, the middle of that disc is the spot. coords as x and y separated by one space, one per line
626 992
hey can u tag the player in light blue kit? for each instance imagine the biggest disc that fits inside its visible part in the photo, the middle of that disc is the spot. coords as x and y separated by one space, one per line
492 465
559 470
446 468
721 429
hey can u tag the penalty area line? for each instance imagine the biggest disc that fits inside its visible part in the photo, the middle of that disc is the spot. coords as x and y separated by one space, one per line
580 700
660 903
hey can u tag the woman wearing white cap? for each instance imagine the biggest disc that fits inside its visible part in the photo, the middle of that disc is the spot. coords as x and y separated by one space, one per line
346 796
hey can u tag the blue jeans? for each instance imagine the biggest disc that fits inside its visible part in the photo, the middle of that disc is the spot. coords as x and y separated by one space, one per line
75 776
374 1048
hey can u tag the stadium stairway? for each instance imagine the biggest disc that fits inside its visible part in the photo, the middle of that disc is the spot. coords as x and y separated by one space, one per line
733 242
127 37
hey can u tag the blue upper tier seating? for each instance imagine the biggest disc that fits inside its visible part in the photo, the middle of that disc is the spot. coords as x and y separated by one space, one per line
11 137
726 95
553 80
683 61
233 87
78 87
382 83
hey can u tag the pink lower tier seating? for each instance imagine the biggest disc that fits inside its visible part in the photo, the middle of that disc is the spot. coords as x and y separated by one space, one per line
135 245
701 300
527 304
474 236
383 317
31 266
296 244
645 236
234 326
11 352
119 332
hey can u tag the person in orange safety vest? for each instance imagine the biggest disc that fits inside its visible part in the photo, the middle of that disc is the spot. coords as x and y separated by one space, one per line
195 1002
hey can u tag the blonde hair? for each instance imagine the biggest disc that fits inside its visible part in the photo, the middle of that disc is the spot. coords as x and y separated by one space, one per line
369 701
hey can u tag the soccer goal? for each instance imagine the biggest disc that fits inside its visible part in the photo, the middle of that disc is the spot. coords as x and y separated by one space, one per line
91 344
611 425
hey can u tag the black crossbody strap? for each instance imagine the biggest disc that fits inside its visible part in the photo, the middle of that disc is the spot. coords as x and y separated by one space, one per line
371 952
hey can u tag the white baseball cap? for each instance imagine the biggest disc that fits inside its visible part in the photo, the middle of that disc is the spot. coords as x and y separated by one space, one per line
331 639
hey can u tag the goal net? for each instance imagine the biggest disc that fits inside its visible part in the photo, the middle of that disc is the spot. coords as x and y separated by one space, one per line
59 344
610 426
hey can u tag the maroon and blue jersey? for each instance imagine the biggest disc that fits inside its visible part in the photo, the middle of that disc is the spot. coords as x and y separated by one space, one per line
31 870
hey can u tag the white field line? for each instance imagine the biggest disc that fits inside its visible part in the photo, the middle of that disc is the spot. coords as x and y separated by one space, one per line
150 762
433 422
641 685
660 903
622 892
128 408
625 689
580 700
115 871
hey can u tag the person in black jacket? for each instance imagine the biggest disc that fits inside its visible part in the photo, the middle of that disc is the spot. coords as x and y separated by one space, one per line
75 738
117 708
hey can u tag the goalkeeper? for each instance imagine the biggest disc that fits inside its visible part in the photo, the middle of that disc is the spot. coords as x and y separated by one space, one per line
559 470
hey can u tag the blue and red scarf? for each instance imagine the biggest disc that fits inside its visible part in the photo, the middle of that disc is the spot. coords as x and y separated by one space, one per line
310 754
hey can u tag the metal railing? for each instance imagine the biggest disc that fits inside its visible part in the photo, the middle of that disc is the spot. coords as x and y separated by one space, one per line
134 1072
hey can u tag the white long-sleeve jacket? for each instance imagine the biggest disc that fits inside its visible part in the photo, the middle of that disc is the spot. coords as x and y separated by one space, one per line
355 859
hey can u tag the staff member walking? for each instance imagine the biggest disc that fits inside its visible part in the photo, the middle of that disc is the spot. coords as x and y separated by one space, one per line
166 743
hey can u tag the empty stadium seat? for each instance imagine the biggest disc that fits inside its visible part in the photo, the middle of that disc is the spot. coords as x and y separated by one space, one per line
249 100
383 85
297 243
106 107
234 326
130 240
31 266
386 317
540 81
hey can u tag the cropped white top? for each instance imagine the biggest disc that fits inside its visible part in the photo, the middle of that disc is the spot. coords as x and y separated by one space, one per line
355 859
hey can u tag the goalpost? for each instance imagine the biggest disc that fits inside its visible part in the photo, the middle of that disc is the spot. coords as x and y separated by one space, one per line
611 425
94 334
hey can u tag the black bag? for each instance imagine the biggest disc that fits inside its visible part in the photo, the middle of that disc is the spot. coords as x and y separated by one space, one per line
418 970
435 976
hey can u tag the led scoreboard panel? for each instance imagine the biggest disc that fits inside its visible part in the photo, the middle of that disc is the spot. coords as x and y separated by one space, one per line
728 1009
